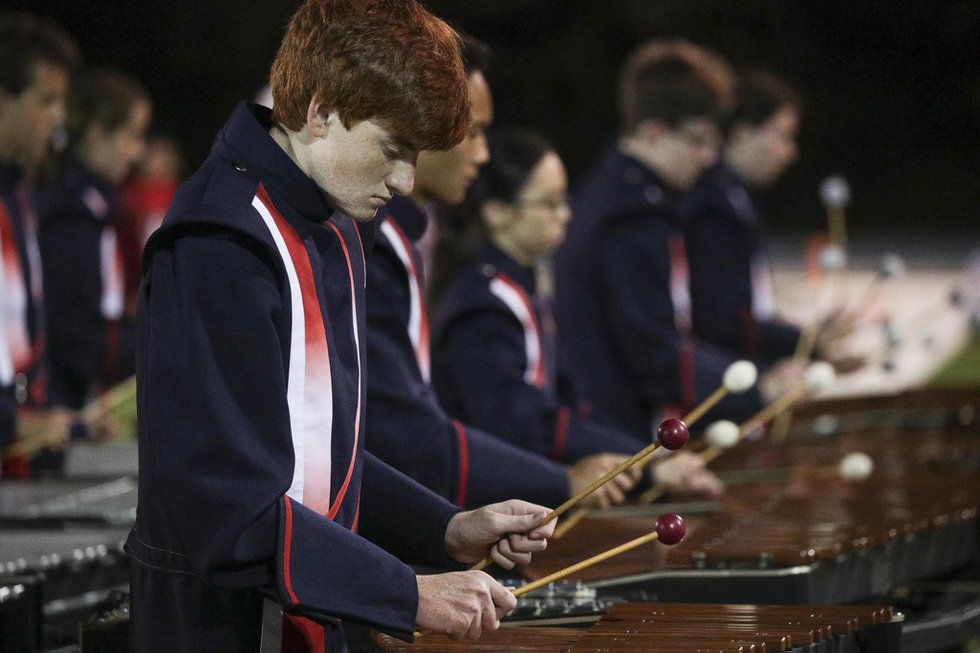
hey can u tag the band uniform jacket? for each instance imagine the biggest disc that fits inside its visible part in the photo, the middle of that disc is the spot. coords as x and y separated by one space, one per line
90 346
253 478
495 367
407 427
731 291
21 302
622 304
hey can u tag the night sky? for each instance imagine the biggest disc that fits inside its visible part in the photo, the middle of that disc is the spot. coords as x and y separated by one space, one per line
892 90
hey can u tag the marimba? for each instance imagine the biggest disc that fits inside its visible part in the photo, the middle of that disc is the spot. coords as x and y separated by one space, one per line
61 556
785 534
692 628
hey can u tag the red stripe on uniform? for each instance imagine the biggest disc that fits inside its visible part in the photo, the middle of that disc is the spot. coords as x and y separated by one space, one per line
538 377
302 635
342 492
315 495
286 548
357 515
464 463
422 353
561 432
313 319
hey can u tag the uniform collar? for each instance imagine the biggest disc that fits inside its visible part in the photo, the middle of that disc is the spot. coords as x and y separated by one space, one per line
412 220
246 142
635 186
737 193
493 261
78 174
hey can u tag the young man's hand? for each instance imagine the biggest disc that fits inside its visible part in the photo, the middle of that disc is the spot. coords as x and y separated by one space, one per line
684 473
585 471
461 604
508 532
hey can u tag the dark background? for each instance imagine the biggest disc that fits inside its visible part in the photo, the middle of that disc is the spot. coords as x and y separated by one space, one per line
892 90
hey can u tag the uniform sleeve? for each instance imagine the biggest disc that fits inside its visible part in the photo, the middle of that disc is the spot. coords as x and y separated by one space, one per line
408 429
406 519
483 351
72 271
668 366
721 278
721 290
216 447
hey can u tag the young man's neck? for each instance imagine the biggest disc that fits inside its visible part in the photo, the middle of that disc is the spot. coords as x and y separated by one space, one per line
510 248
736 160
651 156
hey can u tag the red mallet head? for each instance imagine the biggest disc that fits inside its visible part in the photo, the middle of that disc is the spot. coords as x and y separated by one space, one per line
672 433
670 528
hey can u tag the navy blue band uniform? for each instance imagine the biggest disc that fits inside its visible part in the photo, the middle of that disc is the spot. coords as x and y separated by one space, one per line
21 302
622 307
254 482
90 343
494 364
731 292
407 427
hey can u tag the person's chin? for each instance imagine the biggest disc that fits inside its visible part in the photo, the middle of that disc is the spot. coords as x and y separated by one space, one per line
454 199
364 213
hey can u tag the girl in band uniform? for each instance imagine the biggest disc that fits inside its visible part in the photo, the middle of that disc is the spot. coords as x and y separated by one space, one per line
493 345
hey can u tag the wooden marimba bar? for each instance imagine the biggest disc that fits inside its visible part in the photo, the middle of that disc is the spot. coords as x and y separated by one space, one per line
689 628
786 533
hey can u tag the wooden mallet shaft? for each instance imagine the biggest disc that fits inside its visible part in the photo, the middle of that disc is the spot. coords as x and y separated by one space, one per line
595 485
584 564
112 399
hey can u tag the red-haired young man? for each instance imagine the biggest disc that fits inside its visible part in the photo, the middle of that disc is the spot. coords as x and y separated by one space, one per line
259 510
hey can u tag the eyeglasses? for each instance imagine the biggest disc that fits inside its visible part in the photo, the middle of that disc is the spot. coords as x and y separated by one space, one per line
549 203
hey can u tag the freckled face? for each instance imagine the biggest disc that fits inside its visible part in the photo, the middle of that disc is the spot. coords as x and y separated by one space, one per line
360 168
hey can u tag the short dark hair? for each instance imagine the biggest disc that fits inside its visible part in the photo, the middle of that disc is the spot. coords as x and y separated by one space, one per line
388 60
673 80
514 153
759 94
25 40
101 96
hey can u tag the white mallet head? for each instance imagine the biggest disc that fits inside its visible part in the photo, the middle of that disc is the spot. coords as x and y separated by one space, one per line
826 425
832 258
891 266
740 376
855 466
819 376
722 434
835 193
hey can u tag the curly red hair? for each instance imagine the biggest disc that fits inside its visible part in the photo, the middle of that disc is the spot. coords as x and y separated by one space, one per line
385 60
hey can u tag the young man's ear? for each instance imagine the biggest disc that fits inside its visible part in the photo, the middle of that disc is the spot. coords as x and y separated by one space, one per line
317 117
